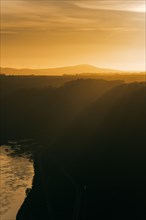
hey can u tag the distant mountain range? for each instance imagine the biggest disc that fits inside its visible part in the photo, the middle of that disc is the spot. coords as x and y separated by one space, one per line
68 70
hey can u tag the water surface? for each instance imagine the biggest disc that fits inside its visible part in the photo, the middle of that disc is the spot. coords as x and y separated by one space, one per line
16 175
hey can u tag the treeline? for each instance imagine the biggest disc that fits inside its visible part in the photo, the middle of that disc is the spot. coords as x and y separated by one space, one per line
10 83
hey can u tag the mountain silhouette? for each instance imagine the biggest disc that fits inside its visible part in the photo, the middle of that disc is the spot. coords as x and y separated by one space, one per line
68 70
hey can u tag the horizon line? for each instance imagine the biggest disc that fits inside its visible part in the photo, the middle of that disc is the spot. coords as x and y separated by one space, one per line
76 65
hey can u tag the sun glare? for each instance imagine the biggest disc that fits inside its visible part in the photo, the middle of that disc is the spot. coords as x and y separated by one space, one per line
141 8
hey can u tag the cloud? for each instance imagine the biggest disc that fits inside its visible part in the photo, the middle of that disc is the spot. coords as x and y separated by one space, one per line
37 16
116 5
58 16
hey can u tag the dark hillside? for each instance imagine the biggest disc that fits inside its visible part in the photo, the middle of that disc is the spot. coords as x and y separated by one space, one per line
44 113
101 157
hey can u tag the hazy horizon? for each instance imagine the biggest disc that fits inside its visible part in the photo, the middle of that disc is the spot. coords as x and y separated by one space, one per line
81 69
64 66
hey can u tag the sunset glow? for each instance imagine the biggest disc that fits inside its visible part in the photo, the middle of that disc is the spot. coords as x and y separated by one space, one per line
44 34
141 8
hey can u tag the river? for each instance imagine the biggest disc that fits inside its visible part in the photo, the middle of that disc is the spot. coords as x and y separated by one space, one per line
16 175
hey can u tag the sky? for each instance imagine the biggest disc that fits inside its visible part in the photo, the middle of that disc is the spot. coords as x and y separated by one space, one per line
43 34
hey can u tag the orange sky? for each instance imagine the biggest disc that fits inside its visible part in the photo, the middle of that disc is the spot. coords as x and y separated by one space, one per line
41 34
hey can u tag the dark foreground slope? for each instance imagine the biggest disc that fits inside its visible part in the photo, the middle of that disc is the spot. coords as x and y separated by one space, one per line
96 170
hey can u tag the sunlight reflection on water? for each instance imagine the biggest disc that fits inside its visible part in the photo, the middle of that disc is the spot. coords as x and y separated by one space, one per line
16 175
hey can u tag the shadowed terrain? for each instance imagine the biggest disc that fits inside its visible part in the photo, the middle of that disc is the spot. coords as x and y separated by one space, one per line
45 112
92 163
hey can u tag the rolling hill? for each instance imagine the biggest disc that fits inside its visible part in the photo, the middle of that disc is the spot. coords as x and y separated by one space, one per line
68 70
